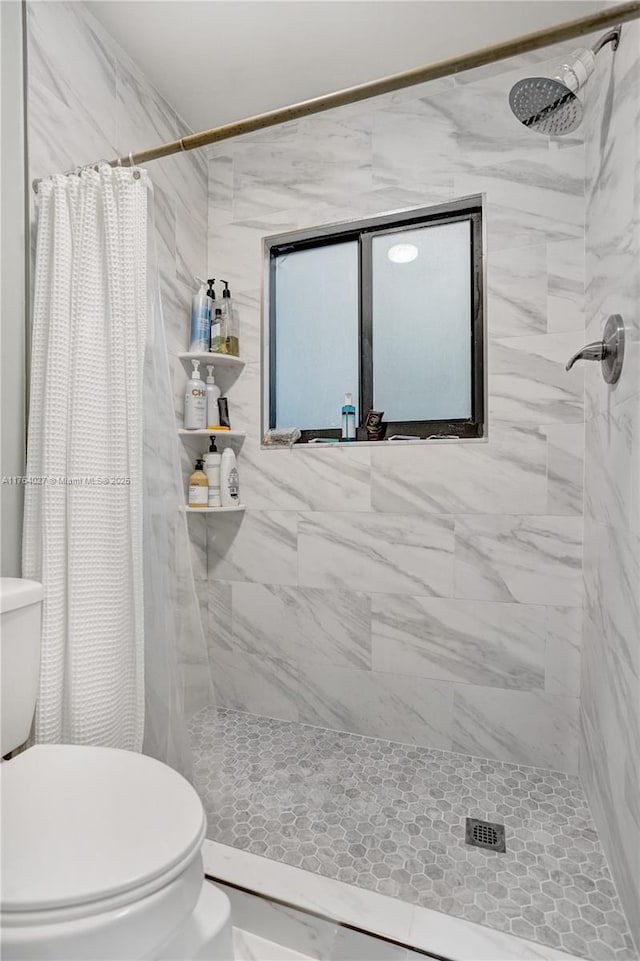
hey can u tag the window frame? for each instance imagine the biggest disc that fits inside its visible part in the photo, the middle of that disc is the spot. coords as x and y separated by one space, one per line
468 209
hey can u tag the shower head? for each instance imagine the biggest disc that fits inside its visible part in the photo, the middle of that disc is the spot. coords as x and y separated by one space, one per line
546 105
550 105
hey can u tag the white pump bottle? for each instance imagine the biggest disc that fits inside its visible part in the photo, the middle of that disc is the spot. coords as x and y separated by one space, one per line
195 401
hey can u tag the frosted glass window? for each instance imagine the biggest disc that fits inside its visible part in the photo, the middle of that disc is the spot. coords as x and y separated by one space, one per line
421 323
315 325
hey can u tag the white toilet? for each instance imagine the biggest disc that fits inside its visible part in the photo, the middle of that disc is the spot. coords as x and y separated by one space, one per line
100 847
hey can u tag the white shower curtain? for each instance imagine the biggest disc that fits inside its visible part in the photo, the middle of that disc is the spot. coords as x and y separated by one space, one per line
103 531
83 503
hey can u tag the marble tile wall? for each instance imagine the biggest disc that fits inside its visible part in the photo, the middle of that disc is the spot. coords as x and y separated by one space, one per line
429 594
610 704
88 100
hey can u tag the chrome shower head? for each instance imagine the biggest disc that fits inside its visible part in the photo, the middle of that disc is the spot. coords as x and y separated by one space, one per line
550 105
546 105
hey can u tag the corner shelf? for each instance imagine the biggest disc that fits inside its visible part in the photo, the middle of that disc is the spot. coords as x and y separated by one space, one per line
233 434
212 510
217 360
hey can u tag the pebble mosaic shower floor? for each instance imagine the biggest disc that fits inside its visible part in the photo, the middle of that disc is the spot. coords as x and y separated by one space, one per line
391 817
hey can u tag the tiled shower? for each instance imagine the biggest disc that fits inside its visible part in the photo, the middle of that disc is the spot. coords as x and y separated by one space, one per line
445 630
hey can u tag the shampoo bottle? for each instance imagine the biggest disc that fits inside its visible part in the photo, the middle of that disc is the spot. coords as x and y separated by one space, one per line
230 323
212 469
198 487
195 401
348 419
217 340
200 321
213 392
229 479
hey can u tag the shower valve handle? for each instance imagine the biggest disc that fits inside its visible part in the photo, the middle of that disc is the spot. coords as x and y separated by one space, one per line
594 351
609 350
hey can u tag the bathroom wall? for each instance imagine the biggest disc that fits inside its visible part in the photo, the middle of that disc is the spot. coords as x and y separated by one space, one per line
610 715
428 594
12 331
87 100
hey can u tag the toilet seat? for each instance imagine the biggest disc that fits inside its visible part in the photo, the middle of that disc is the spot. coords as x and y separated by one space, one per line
101 854
86 829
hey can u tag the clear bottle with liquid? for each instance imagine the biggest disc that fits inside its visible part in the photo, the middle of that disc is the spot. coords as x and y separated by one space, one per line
230 322
348 418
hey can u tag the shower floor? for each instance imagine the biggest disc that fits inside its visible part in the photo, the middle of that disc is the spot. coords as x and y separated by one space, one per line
391 818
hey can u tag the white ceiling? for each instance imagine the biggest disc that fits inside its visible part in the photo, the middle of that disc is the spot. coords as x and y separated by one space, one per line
221 60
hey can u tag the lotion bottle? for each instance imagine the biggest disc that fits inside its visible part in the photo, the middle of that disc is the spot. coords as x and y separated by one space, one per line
212 470
213 392
229 479
195 401
198 487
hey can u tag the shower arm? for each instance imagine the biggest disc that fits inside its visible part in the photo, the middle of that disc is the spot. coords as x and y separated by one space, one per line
613 37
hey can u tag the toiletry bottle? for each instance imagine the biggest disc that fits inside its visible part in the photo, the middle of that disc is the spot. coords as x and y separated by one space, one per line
348 419
212 470
231 323
223 408
198 487
229 479
195 401
213 330
213 392
216 332
200 321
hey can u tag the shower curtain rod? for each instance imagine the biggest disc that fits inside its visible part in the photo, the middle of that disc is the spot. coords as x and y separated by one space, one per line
441 68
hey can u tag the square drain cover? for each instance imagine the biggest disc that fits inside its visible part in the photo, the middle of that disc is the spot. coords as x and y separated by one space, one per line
485 834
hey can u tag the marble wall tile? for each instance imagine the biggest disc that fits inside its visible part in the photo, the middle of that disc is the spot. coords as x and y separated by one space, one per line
303 625
610 691
480 643
535 560
220 634
386 553
612 482
258 546
612 589
257 685
563 643
565 468
54 85
505 475
198 539
529 383
551 185
565 285
509 228
308 478
517 292
389 706
525 727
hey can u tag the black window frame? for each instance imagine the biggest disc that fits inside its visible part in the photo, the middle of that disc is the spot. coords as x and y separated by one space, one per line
470 210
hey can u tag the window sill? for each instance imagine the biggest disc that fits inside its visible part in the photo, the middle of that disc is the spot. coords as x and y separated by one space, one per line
357 444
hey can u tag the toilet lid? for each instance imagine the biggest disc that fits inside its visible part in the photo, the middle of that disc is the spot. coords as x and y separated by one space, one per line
82 824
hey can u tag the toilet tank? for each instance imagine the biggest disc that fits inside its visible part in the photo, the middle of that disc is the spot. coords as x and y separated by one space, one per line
21 615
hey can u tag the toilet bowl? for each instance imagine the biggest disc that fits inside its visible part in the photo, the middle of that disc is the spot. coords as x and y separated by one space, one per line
101 851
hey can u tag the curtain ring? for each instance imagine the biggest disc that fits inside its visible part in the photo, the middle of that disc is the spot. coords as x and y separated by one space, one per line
136 172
